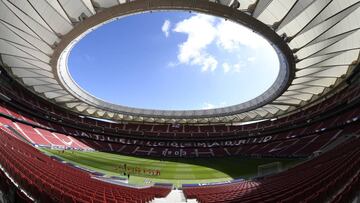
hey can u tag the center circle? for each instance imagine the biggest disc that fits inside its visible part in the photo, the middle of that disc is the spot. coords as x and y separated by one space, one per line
173 60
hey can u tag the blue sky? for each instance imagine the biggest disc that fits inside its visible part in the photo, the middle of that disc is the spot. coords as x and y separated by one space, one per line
173 61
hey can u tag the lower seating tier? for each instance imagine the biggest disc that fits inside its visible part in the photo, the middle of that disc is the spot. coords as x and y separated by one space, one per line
48 180
329 177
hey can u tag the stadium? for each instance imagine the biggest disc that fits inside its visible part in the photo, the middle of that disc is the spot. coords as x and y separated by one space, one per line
296 141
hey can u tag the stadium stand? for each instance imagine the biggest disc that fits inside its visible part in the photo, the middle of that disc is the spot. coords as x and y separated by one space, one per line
43 137
48 180
319 180
179 132
312 131
302 139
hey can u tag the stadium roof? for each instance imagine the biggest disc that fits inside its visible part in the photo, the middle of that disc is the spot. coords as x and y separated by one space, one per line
316 40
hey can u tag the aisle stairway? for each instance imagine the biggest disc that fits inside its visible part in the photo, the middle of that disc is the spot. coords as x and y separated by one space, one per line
175 196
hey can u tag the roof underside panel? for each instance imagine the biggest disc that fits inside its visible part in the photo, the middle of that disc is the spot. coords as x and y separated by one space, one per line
316 47
333 9
347 20
295 26
331 71
76 10
53 16
41 30
105 3
297 10
276 11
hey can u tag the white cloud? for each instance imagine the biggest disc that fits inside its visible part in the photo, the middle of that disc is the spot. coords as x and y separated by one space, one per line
234 67
166 27
226 67
200 33
203 31
251 59
238 66
206 61
208 105
172 64
231 36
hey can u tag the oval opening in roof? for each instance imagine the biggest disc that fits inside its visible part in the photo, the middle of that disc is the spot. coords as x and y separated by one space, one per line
173 60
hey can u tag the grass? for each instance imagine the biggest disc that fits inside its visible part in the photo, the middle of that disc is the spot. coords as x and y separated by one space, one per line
176 171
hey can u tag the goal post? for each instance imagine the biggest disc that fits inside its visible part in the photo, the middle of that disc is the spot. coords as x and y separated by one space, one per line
270 168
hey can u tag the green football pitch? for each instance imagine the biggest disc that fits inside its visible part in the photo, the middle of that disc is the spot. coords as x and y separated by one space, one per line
177 171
